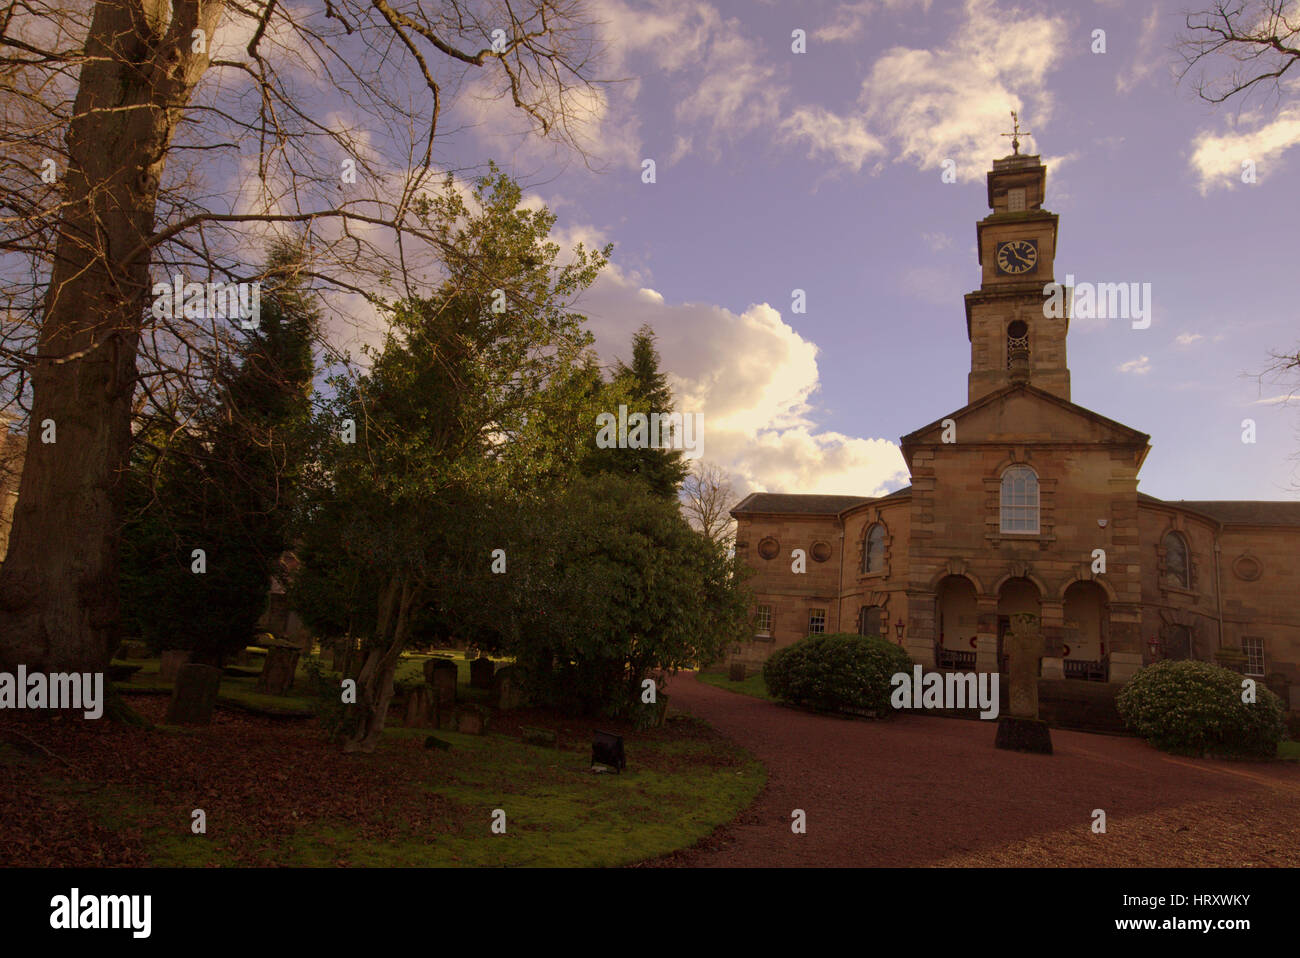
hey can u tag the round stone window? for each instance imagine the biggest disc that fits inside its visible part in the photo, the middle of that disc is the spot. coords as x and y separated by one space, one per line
1247 568
821 551
768 548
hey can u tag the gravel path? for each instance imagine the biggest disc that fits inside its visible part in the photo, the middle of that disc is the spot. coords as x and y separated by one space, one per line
921 790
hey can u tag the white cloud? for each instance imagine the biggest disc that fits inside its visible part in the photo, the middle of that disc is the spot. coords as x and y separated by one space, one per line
751 375
844 140
1217 158
1139 366
1147 57
936 241
1186 339
948 102
850 19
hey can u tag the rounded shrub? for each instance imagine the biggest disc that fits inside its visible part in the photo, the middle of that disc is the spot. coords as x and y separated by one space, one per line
835 672
1195 708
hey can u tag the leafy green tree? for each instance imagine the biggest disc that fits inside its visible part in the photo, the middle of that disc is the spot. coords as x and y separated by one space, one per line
607 584
643 388
458 411
208 499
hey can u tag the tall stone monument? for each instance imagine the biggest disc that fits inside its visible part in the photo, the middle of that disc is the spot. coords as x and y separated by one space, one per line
1021 730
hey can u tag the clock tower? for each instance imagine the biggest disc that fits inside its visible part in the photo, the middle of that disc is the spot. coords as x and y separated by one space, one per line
1010 338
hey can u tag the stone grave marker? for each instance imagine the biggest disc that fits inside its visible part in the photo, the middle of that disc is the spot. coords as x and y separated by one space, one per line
194 696
442 674
172 660
480 673
277 673
506 690
1021 730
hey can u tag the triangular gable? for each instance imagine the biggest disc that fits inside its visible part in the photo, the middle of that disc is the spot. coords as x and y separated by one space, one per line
1022 414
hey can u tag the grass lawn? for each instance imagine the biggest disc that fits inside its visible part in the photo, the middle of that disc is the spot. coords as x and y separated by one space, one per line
276 793
754 685
1289 751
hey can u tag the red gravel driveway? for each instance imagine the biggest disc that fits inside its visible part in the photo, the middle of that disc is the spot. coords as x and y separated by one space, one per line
925 790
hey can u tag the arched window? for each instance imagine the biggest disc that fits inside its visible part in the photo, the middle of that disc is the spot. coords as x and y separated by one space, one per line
871 620
873 553
1017 339
1020 500
1176 567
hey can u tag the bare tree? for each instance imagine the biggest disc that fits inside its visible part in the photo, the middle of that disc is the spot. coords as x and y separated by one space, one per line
708 499
145 140
1257 41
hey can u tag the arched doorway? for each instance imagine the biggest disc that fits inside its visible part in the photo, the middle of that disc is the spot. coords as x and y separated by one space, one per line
1016 596
956 622
1087 620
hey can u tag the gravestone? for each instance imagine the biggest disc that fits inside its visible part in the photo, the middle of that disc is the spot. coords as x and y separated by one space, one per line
421 708
442 675
1021 730
471 720
172 660
506 691
480 673
277 673
546 737
737 673
134 650
195 695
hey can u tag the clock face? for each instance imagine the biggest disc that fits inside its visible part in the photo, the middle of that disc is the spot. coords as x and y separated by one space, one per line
1017 256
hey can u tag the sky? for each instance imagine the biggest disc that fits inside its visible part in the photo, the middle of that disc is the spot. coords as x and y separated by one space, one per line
821 171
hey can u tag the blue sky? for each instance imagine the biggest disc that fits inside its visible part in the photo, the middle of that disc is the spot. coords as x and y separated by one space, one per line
822 171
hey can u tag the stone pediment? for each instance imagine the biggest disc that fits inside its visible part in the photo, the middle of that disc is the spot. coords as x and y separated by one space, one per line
1022 415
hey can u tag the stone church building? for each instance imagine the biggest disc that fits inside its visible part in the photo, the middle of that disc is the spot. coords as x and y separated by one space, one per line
1011 498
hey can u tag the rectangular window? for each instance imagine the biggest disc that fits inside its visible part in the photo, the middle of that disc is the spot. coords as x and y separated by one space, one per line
763 620
1254 649
816 621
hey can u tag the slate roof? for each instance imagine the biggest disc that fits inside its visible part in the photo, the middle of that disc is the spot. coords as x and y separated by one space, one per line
1240 511
784 504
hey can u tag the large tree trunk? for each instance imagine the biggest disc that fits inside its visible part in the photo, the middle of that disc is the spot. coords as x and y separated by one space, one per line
58 585
375 683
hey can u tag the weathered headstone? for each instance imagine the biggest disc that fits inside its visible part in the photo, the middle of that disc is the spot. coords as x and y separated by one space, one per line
507 692
421 708
172 660
443 675
195 695
471 720
546 737
1021 730
480 673
737 673
277 673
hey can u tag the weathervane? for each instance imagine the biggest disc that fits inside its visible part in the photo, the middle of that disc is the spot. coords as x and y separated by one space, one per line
1015 136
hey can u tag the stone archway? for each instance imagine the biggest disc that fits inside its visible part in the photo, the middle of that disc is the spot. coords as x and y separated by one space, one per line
1086 630
956 622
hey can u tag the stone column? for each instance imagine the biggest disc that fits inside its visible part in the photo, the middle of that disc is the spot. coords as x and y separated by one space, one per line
986 636
1021 730
919 636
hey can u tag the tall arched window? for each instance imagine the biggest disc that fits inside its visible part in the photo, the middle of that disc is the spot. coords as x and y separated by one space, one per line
1020 500
1176 567
873 553
1017 339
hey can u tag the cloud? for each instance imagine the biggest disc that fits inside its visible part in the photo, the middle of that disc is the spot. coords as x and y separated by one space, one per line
844 140
850 19
1140 366
1146 59
752 376
948 102
936 241
1217 158
1186 339
1276 400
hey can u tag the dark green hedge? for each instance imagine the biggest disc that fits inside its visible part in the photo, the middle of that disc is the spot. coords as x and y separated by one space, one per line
1196 708
837 671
